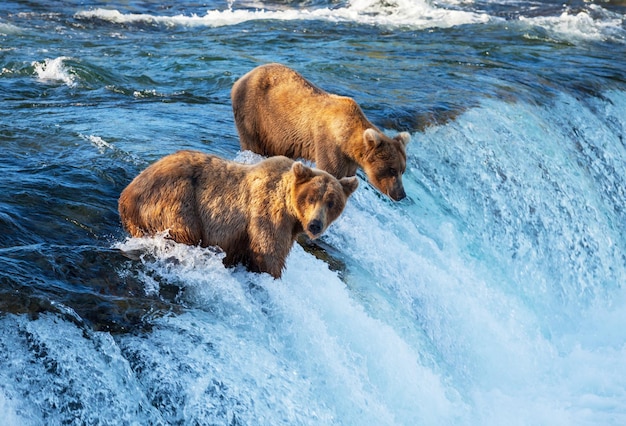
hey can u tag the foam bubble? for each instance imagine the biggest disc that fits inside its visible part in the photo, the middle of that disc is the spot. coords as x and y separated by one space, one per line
100 143
198 271
248 157
55 70
594 24
7 29
107 148
213 18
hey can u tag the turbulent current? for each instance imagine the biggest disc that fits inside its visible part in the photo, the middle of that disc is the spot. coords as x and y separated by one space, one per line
494 294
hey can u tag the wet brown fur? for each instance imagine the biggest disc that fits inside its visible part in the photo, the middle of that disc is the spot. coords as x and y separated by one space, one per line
252 212
279 112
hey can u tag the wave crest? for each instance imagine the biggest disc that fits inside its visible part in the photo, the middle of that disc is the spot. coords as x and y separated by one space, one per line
592 24
395 13
55 70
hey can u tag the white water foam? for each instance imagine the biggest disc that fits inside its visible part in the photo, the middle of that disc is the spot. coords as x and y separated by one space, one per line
594 24
55 70
306 332
397 13
82 384
102 145
9 29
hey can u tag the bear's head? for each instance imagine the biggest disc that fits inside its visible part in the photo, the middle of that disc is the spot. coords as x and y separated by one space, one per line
385 161
318 197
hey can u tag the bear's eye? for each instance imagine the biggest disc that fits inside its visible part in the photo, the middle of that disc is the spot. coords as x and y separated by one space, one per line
393 172
311 199
330 204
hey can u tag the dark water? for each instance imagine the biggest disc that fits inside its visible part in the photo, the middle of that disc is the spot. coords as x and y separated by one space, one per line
493 295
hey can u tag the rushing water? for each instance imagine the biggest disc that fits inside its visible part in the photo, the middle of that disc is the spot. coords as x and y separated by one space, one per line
494 294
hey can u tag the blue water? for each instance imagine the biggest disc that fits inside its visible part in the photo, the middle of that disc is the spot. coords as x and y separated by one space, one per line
494 294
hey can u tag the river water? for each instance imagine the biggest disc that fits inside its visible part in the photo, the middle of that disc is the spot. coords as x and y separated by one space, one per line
494 294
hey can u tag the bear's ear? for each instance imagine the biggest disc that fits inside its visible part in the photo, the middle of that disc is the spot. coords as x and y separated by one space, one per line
302 172
349 185
371 138
404 138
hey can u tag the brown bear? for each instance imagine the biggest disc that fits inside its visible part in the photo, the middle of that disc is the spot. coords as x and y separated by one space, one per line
279 112
252 212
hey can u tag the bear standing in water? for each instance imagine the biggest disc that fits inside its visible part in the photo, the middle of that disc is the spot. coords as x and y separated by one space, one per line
252 212
279 112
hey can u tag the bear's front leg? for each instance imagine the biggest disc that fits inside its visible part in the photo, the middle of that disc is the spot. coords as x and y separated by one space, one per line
267 261
269 250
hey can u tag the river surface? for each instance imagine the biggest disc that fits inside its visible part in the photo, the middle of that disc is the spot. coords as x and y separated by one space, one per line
493 295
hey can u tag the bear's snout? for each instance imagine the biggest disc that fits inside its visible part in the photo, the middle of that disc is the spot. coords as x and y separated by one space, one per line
395 188
315 227
397 194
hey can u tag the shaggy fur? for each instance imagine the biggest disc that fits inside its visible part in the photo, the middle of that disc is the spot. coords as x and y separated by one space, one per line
279 112
252 212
